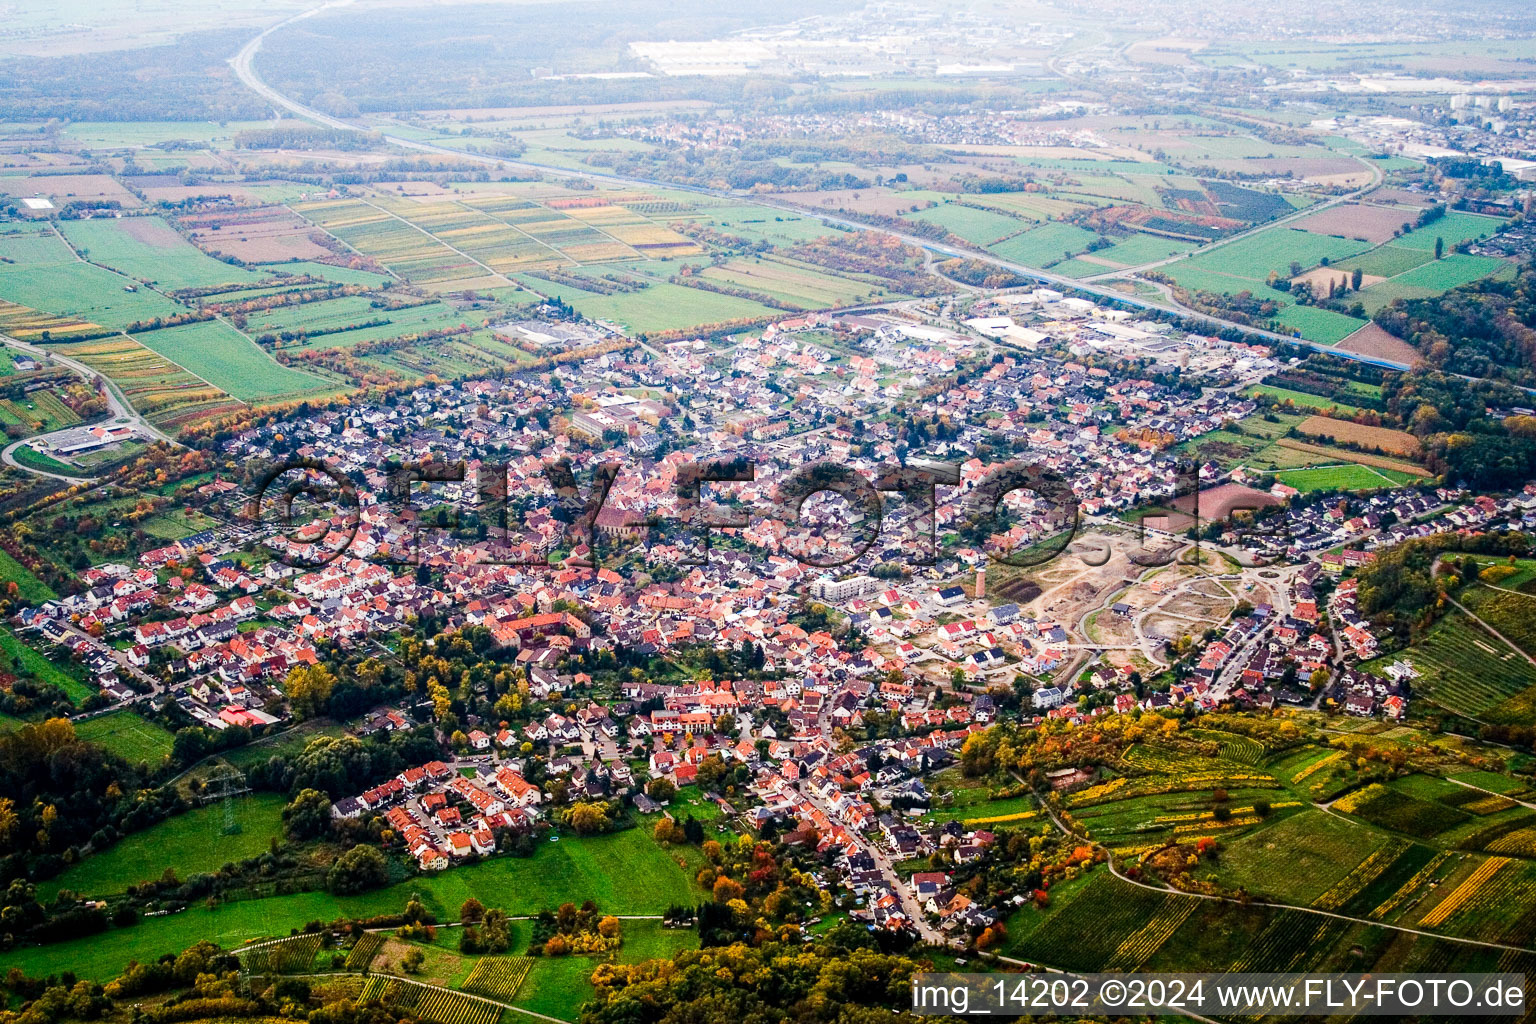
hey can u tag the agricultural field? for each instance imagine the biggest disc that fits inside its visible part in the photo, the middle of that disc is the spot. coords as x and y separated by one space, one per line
431 1002
623 224
442 964
1387 261
1289 453
1139 249
1262 445
666 307
1430 279
1512 615
149 250
364 950
1452 229
550 233
1044 245
261 234
154 385
231 362
1324 326
347 321
327 272
292 955
1487 900
970 800
1392 442
83 292
556 986
190 842
1245 265
1464 670
790 281
498 977
27 324
38 412
1230 447
1302 399
406 250
1360 221
29 586
1104 922
1250 260
1093 926
743 220
1297 859
981 228
1133 824
1416 806
1035 206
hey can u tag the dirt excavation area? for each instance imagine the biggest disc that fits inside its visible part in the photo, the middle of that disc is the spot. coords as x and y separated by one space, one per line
1095 564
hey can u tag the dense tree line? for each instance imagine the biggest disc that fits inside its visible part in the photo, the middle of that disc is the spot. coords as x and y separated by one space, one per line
845 977
1484 329
59 794
1398 588
187 80
483 57
1449 415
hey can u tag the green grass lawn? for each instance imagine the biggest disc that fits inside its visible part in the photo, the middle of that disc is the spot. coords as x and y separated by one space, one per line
128 734
648 940
556 987
71 680
190 843
33 590
625 873
1334 478
34 459
1300 398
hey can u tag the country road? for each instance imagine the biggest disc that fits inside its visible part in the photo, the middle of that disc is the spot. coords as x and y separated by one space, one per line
121 412
8 456
241 63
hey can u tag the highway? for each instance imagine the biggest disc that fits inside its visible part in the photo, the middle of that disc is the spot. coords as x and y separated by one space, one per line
241 63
